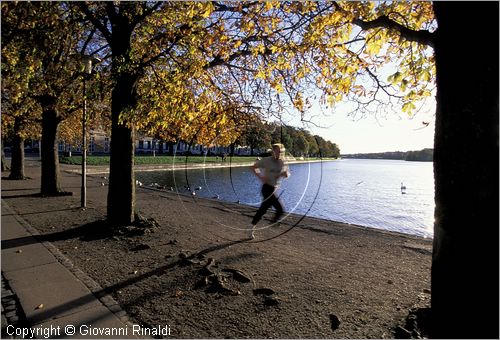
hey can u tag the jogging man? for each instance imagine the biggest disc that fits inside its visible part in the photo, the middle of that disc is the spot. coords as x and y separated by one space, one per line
269 171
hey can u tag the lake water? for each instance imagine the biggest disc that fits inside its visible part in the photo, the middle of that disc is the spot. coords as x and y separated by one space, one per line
356 191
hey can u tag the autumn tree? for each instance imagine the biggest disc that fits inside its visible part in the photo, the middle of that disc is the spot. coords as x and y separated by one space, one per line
20 120
43 38
116 23
20 113
464 274
175 54
467 105
465 256
268 55
97 110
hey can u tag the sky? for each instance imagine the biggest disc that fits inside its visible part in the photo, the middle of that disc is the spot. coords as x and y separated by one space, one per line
369 134
372 134
386 132
381 133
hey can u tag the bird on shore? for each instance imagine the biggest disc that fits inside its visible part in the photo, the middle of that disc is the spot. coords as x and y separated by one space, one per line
403 188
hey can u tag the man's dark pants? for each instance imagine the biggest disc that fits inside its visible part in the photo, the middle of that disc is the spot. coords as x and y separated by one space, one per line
270 200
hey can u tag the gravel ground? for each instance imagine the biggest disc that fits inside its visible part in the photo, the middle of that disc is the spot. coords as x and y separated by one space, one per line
188 268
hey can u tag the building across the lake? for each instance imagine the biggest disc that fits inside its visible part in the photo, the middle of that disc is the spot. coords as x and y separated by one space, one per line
98 143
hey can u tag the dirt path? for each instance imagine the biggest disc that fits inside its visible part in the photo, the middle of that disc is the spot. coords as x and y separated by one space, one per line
322 279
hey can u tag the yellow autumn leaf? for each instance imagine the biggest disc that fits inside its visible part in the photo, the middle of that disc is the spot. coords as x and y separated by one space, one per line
260 74
207 12
408 108
268 6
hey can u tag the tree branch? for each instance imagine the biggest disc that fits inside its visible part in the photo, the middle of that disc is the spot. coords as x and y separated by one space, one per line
217 60
146 12
88 40
421 36
93 19
221 7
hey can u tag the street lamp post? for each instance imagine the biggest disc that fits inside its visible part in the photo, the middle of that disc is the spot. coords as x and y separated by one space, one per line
87 72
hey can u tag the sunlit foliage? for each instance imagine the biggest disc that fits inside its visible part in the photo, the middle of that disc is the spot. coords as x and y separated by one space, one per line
206 66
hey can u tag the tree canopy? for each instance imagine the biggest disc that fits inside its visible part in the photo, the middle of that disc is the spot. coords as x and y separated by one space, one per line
200 70
202 66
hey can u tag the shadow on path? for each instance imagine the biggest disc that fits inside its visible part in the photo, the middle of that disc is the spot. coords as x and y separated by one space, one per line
40 212
20 189
88 232
50 313
22 195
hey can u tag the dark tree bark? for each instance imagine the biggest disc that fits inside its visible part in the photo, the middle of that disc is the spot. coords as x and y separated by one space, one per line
121 193
5 167
171 148
231 152
17 158
465 255
50 154
160 147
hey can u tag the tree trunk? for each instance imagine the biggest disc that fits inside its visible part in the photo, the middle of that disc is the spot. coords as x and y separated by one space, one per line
121 193
231 152
5 167
160 147
171 148
17 158
465 255
50 155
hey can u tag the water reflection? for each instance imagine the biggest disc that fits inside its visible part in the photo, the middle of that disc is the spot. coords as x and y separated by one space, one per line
363 192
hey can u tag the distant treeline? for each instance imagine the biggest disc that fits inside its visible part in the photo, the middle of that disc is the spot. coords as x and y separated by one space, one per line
424 155
298 141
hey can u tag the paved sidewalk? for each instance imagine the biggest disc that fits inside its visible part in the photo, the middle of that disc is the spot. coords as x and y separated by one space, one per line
57 300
